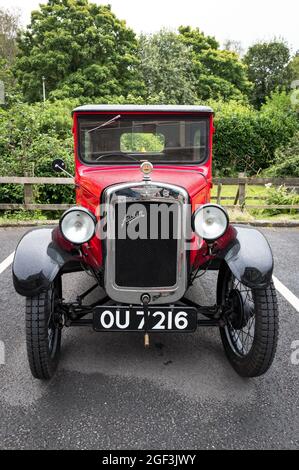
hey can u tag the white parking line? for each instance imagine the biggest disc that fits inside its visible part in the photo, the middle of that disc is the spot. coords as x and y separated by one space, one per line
282 289
6 263
287 294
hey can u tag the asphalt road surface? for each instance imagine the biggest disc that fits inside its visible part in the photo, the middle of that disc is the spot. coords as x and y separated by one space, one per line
110 393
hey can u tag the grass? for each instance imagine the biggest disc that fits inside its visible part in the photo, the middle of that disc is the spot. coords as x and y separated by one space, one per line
24 216
236 215
252 192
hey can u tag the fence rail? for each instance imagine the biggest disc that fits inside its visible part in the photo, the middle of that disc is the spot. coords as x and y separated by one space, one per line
239 200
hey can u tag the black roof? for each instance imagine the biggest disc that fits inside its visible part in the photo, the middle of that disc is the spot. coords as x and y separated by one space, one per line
143 108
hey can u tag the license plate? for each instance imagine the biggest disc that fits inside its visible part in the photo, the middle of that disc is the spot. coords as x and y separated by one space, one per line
159 319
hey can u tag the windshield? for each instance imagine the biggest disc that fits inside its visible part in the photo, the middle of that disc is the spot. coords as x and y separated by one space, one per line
117 139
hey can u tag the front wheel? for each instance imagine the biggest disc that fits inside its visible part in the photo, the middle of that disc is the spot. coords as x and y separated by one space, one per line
43 332
251 332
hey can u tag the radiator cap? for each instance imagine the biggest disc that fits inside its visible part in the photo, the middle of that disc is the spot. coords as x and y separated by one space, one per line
146 168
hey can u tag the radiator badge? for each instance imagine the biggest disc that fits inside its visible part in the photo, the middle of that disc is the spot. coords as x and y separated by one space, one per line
130 218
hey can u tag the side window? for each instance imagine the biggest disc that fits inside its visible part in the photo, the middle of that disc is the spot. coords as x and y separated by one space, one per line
197 144
87 146
197 139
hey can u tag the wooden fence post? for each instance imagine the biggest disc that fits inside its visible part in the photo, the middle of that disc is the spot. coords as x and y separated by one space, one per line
237 196
242 192
219 189
28 193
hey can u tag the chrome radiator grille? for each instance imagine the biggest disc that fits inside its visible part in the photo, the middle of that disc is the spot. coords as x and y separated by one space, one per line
145 249
148 262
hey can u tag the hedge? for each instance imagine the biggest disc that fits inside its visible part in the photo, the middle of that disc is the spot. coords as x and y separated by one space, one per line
246 139
31 136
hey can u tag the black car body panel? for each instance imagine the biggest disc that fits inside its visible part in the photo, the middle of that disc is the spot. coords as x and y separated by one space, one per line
250 258
38 260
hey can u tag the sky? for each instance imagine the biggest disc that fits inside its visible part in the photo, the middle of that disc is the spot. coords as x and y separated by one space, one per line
245 21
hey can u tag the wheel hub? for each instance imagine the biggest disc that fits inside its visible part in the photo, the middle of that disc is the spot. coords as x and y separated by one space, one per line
241 310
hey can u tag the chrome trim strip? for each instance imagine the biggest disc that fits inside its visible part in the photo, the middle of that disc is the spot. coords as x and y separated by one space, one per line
138 192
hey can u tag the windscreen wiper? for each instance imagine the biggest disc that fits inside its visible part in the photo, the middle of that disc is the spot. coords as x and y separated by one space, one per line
105 123
117 154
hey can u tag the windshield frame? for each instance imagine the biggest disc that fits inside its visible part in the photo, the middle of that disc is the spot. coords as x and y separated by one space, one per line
202 116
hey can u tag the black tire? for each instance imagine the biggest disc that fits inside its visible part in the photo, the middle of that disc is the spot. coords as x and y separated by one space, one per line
43 350
261 305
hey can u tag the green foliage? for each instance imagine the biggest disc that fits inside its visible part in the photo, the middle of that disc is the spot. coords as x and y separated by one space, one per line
286 160
9 26
21 215
234 46
31 136
81 48
11 193
227 66
268 70
136 142
279 103
293 68
12 91
217 88
189 67
219 74
166 69
88 55
246 139
27 131
196 39
281 196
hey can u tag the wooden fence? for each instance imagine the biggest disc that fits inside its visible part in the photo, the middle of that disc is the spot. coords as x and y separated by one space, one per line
29 183
239 200
241 194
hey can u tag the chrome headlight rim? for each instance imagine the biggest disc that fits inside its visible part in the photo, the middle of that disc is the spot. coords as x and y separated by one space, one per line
201 209
85 211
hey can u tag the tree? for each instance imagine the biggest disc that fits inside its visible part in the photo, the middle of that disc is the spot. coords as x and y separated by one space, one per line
267 69
9 90
293 67
246 139
196 39
166 69
233 46
218 73
9 26
189 67
81 48
227 66
286 161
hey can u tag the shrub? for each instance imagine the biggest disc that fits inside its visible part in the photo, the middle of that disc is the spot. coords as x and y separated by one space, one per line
246 139
31 136
281 196
286 160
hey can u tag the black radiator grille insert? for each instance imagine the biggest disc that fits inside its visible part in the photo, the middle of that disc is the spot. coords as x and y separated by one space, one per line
147 263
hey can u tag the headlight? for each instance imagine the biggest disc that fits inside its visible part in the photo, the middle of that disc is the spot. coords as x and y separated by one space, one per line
78 225
210 222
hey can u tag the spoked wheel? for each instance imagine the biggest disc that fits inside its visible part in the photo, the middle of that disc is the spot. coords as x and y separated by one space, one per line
43 332
251 332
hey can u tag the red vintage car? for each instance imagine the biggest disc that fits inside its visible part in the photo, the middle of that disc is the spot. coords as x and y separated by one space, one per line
145 230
